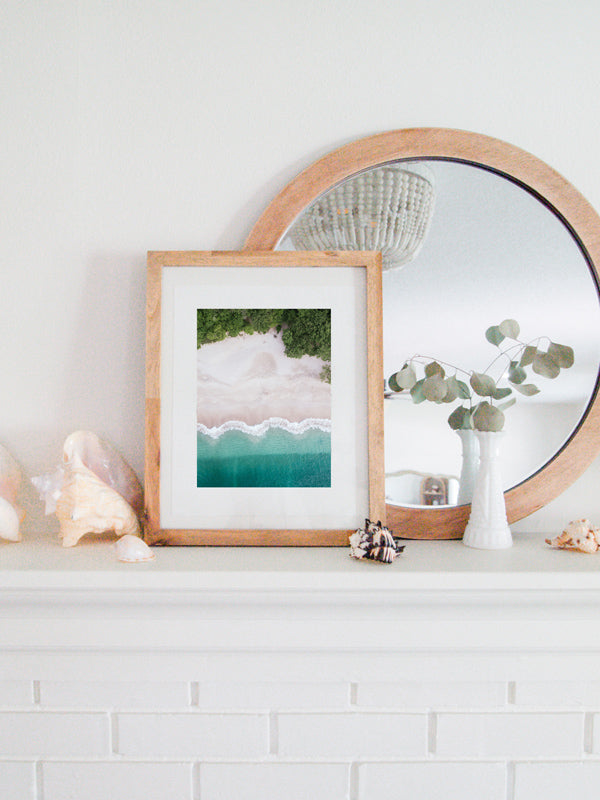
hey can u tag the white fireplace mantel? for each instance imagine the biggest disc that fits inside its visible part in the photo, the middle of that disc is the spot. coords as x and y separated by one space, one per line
437 598
241 672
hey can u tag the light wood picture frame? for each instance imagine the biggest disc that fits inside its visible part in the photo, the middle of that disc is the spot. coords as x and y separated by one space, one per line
251 437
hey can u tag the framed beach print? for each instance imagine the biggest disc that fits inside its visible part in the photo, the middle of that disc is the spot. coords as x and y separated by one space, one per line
264 397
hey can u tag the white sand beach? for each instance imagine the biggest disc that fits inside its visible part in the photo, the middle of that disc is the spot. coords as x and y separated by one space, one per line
249 378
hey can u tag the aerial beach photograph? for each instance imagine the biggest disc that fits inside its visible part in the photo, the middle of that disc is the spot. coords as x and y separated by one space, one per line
263 397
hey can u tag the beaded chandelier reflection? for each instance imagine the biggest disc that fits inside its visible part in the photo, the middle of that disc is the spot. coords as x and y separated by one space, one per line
388 208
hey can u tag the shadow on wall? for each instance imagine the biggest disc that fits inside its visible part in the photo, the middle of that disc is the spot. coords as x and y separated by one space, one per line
109 341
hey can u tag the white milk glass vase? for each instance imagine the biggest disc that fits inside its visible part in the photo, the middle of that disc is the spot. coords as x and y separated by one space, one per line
487 528
469 466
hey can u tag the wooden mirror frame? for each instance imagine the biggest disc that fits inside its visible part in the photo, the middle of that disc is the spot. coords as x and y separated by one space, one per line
521 168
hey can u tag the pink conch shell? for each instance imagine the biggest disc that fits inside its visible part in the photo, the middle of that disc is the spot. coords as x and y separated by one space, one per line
132 548
11 515
88 505
93 491
105 462
580 535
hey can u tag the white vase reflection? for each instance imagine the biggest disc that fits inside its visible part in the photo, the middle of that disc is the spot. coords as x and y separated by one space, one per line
470 465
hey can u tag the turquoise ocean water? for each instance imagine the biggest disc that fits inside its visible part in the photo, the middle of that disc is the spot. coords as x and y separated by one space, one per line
276 458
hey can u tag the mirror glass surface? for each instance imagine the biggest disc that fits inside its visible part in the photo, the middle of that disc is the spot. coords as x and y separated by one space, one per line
493 251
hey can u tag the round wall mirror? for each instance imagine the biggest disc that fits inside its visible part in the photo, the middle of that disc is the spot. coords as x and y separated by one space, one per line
473 232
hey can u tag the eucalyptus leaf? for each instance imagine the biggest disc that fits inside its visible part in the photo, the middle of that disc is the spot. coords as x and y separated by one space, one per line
562 354
464 391
482 384
500 394
487 417
434 369
460 418
528 389
453 387
407 377
545 365
393 382
494 335
417 392
507 404
434 388
449 397
516 374
510 328
528 355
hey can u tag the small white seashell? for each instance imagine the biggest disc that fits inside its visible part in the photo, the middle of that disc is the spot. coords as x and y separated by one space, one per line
579 535
132 548
11 515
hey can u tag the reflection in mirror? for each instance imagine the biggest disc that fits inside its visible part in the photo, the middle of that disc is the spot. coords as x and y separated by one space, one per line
387 208
492 251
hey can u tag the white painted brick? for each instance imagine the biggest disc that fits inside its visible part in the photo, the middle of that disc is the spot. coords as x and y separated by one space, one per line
432 695
269 696
114 694
17 780
193 735
352 735
596 733
511 735
557 781
273 781
116 781
40 733
431 780
16 693
574 694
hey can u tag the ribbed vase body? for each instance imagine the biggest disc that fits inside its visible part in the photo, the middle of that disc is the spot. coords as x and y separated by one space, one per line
487 528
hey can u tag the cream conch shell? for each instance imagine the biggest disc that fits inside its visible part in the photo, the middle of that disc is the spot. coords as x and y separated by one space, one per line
88 505
107 464
580 535
94 491
11 515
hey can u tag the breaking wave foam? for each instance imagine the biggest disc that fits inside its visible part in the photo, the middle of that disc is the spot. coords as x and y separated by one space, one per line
262 427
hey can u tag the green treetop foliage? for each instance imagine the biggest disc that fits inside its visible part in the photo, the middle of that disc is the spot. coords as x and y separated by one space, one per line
306 331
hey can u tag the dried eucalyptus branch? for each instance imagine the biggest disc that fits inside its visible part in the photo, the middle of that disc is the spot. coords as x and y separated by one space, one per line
488 414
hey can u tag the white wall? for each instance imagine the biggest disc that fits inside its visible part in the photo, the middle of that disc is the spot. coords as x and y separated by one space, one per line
154 125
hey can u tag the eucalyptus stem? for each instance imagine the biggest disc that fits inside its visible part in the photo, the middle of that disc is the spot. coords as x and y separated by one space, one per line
425 359
520 346
504 353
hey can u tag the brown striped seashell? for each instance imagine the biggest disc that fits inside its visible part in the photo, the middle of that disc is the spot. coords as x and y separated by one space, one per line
375 542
